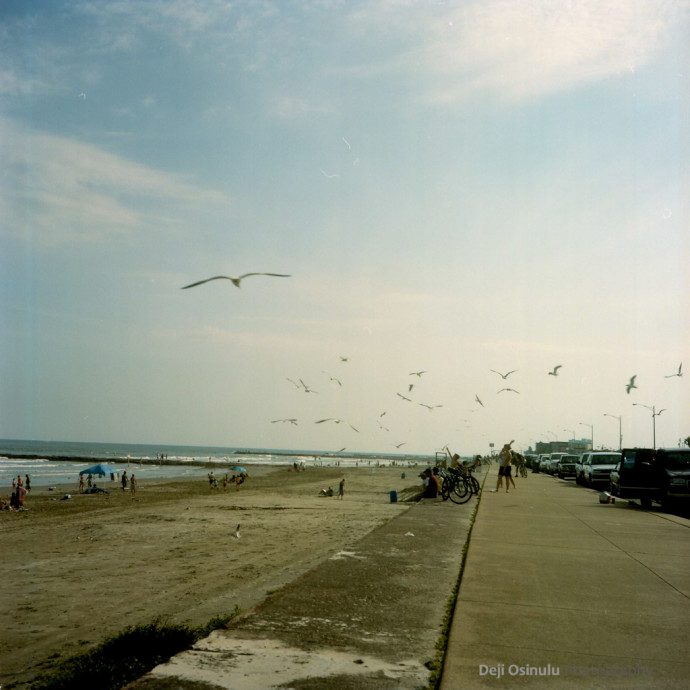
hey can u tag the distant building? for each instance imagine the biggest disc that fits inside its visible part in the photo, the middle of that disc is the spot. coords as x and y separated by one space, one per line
574 447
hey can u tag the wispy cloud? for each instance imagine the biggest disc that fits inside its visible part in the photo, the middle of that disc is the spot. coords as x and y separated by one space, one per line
64 190
518 50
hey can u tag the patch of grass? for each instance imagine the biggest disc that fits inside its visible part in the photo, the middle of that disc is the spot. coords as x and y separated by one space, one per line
127 655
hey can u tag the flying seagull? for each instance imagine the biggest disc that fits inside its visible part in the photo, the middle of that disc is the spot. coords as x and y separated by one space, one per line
403 397
344 359
476 397
306 388
417 373
554 372
512 390
410 386
235 281
631 384
333 378
383 413
398 445
503 376
292 421
680 372
429 407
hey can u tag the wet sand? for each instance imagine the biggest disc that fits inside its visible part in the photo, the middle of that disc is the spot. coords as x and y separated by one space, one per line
76 572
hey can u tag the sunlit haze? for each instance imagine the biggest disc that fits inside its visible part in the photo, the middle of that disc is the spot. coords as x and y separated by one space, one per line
452 187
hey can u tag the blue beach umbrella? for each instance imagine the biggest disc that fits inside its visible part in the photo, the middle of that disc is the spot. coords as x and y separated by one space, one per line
237 468
101 469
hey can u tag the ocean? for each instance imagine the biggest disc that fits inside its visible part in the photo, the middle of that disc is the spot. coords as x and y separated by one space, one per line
59 462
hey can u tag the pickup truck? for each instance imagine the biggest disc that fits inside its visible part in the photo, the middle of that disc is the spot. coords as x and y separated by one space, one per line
661 475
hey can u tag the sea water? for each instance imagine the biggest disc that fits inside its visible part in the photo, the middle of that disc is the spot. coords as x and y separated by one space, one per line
179 461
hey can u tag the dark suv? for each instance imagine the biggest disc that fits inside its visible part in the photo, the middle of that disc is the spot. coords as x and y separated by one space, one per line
661 475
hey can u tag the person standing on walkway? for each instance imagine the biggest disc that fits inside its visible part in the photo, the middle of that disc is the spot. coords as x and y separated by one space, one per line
505 459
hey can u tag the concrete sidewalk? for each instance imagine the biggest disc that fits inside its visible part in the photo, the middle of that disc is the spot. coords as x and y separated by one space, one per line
589 595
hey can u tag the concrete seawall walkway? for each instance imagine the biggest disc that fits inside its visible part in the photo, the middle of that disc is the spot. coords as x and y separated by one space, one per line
557 583
369 617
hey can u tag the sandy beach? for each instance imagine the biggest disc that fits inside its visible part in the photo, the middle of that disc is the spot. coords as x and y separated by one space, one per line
78 571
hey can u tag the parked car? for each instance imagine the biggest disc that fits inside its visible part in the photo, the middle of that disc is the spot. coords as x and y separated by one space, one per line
540 464
566 466
530 461
579 469
661 475
596 467
552 466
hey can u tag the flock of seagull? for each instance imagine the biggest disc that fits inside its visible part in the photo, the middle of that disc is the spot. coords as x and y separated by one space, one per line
302 386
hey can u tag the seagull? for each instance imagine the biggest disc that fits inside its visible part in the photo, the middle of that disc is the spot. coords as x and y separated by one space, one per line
417 373
235 281
333 378
237 532
429 407
410 386
82 95
344 359
292 421
325 174
347 143
340 451
555 370
403 397
476 397
294 383
680 372
398 445
503 376
631 384
328 419
512 390
383 413
306 388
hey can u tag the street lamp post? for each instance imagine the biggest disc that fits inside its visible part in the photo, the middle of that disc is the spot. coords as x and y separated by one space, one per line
620 428
591 429
655 414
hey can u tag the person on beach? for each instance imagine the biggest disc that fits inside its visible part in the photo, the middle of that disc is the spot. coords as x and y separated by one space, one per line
132 484
21 495
505 459
81 484
20 481
430 484
225 482
123 480
341 488
27 482
89 481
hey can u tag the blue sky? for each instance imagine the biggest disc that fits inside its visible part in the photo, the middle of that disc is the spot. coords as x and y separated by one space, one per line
453 186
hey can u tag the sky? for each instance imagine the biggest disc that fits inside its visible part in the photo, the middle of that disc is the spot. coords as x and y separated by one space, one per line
452 187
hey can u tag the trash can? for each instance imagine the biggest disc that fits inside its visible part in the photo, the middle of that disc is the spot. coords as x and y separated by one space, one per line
394 496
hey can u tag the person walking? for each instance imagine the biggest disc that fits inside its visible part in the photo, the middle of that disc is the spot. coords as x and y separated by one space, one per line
505 460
